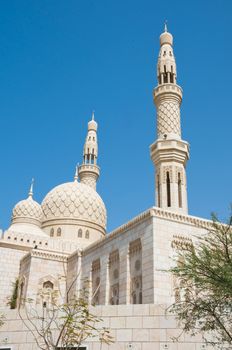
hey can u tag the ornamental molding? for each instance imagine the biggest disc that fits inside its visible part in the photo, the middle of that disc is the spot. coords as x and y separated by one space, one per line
181 242
148 214
47 255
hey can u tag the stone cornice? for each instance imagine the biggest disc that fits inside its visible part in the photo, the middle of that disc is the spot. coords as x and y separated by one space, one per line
15 246
186 219
152 212
47 255
138 219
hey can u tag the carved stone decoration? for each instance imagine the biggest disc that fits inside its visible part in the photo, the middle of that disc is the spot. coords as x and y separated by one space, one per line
180 242
114 294
179 170
114 267
136 290
96 282
135 254
167 169
168 118
135 247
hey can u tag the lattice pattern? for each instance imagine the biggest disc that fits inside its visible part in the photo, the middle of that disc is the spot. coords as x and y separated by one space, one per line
168 118
74 200
28 208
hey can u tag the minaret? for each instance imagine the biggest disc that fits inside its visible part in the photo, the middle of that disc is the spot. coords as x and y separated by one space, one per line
89 171
169 152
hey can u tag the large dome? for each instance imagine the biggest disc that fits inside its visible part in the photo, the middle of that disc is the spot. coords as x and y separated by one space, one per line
74 200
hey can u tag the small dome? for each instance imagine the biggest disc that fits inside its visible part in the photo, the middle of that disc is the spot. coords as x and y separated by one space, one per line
166 38
74 200
92 125
27 210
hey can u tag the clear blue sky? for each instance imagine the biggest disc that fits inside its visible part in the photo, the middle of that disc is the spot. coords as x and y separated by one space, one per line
61 59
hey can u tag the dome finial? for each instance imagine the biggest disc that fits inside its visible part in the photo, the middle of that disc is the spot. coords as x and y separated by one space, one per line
30 193
76 173
165 26
93 114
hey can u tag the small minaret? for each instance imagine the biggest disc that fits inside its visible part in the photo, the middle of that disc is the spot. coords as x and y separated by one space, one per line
89 171
169 153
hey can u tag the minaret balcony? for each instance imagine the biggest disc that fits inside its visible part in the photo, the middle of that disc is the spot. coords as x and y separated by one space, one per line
89 168
167 88
169 150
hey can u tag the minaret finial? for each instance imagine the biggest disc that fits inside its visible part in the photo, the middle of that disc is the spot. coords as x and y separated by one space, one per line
76 173
30 193
165 25
93 114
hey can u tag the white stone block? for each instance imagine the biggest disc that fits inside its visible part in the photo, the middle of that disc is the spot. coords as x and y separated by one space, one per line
167 322
125 310
151 322
134 322
117 322
158 335
150 346
140 335
123 335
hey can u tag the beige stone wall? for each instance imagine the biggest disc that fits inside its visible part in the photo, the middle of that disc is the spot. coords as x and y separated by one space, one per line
142 230
9 270
39 267
166 231
137 327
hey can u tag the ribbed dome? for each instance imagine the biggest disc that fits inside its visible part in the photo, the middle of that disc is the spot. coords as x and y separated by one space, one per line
74 200
27 210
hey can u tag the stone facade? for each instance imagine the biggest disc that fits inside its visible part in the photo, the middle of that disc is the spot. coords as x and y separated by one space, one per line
136 327
62 244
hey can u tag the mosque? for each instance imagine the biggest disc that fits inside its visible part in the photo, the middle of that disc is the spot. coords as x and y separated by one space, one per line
126 268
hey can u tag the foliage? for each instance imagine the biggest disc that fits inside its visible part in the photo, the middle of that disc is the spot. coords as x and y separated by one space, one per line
55 324
13 299
204 272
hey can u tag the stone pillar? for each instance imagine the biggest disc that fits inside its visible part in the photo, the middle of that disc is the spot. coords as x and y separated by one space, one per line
124 277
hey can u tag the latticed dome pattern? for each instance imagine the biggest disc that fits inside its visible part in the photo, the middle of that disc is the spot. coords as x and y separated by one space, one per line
27 208
74 200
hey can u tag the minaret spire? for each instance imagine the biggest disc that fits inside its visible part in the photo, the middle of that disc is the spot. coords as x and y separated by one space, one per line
165 25
76 174
89 171
30 193
169 153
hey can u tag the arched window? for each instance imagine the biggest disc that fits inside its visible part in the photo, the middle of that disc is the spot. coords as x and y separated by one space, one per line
168 189
179 191
80 233
48 285
58 232
87 234
165 75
